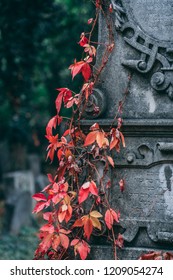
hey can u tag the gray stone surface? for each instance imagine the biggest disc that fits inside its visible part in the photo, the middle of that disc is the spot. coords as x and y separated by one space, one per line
144 49
105 253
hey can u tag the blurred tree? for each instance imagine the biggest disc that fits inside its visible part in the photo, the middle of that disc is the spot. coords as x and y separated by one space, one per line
37 44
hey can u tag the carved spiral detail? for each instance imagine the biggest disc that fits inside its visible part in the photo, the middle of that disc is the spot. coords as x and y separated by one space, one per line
157 80
96 104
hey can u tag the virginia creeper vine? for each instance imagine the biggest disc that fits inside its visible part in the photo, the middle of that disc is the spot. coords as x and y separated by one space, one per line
79 208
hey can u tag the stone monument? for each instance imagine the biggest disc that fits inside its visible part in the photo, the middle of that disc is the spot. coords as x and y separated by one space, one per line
143 49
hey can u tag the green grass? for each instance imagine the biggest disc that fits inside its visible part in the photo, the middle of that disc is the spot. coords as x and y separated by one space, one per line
20 247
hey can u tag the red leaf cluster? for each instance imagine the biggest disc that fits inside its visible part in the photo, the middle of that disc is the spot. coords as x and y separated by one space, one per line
87 89
116 138
64 95
157 255
81 247
83 40
151 256
96 135
81 67
89 222
86 189
52 239
70 221
52 124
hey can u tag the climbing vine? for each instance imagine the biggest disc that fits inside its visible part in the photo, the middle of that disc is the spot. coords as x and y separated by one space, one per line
75 204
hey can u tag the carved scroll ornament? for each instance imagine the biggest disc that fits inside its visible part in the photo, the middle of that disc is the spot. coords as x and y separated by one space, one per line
156 55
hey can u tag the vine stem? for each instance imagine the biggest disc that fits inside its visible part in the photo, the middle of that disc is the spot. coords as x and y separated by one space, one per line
126 92
69 170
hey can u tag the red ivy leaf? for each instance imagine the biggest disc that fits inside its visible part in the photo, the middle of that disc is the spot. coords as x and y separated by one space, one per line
100 139
86 71
48 216
81 247
90 138
46 243
67 94
110 159
40 206
58 102
88 187
55 242
83 250
74 242
81 66
68 213
64 240
76 68
52 124
48 227
109 219
93 188
114 143
83 41
115 215
83 194
88 228
39 197
50 153
61 216
78 223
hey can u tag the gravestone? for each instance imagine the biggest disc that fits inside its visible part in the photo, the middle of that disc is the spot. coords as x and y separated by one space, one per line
19 188
143 49
40 180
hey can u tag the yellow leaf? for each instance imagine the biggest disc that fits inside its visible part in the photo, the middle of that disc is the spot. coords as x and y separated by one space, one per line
96 223
67 199
100 139
96 214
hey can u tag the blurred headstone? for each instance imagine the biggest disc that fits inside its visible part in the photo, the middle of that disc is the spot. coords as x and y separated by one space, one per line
19 188
40 179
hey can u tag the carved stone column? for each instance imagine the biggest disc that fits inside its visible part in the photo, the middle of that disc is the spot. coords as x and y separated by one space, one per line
144 48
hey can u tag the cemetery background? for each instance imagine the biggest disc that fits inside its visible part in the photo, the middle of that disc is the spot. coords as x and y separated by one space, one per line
38 40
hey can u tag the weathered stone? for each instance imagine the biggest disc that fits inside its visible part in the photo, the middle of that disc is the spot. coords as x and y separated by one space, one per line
144 49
